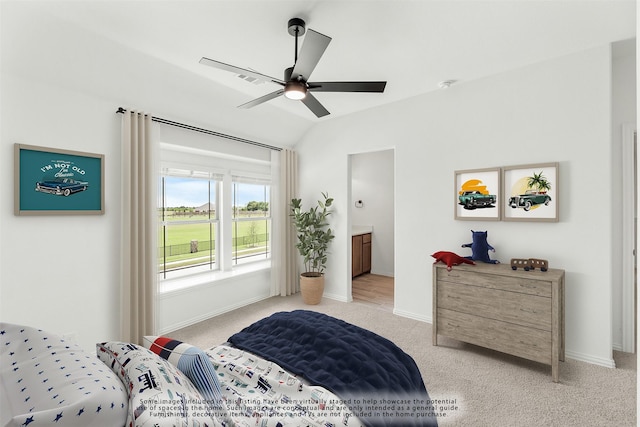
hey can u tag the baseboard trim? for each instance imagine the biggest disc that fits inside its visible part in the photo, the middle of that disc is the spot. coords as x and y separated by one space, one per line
414 316
581 357
383 273
209 315
336 297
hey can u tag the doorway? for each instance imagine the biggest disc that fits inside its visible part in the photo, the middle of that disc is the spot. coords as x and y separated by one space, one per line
372 207
629 233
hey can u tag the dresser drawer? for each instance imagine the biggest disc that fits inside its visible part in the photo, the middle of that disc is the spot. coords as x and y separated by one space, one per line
512 311
530 310
520 341
515 282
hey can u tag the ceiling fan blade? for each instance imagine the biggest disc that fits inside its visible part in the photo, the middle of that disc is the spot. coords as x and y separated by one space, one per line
377 87
312 49
237 70
262 99
314 105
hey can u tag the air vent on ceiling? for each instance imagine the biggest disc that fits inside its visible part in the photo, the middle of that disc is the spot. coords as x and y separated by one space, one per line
250 79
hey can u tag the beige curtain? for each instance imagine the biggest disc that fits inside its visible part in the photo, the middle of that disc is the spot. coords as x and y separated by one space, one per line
139 187
286 272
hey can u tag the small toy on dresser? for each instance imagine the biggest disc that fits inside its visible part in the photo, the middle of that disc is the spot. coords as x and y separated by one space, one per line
529 264
480 248
451 259
542 264
520 263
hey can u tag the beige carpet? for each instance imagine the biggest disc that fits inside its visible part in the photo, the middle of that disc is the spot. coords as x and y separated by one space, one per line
486 388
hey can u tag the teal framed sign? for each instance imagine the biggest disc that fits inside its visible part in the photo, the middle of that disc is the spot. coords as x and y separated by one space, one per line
51 181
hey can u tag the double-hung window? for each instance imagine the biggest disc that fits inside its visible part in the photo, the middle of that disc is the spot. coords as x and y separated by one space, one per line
251 220
194 218
214 209
189 223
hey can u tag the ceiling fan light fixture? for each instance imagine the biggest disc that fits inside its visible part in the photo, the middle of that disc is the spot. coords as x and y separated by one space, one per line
295 90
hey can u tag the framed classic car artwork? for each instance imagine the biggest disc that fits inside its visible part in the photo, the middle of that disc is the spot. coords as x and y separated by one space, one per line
530 192
477 194
50 181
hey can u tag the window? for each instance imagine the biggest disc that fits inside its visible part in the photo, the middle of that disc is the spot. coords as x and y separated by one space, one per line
194 217
251 221
188 224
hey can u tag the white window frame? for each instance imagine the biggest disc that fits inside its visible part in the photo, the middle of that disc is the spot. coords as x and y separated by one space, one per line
236 220
224 258
192 151
212 179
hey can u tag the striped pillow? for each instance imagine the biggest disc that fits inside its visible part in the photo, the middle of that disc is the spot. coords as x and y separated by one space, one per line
193 362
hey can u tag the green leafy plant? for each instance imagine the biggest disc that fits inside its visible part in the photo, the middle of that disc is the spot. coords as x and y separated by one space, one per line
314 233
540 181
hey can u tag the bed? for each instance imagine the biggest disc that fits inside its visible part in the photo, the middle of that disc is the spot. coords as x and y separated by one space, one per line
297 368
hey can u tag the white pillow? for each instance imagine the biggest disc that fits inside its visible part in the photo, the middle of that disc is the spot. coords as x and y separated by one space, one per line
47 381
159 394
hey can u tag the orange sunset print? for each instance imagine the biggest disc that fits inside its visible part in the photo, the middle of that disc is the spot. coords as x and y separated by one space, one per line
473 185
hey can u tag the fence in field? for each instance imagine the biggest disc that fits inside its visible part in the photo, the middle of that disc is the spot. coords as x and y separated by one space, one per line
196 246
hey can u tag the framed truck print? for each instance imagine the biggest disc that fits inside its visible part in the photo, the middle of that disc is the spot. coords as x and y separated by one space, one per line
477 194
530 192
50 181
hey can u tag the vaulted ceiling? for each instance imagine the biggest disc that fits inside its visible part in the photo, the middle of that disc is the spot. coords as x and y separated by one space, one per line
413 45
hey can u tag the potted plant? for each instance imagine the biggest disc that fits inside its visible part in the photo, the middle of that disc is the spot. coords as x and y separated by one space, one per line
314 236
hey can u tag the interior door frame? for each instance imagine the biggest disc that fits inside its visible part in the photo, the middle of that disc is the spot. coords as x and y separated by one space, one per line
629 206
350 197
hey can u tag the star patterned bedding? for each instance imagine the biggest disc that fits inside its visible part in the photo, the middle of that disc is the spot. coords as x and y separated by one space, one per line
46 381
332 371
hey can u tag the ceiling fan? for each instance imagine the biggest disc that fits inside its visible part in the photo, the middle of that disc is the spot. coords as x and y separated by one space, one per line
296 84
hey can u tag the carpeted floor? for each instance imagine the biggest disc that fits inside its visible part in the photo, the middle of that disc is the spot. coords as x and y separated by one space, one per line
483 387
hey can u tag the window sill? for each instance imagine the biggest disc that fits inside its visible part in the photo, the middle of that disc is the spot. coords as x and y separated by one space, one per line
210 277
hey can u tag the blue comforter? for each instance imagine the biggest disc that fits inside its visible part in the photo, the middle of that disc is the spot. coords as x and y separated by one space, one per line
370 373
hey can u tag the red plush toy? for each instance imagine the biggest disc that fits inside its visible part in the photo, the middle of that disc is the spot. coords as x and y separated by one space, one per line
450 259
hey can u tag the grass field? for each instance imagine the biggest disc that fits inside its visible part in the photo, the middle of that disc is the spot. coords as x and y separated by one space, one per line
249 237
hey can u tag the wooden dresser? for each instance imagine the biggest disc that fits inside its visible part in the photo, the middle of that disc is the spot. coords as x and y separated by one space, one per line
516 312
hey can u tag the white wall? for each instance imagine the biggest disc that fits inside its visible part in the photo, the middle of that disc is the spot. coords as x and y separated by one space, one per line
60 88
372 181
556 111
192 305
60 272
623 113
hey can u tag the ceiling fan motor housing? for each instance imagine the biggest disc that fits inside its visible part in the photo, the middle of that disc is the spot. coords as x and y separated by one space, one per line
287 74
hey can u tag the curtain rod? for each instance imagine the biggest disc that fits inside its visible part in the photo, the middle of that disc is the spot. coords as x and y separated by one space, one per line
207 131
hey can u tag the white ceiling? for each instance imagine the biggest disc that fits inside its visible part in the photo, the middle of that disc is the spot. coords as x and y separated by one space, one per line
413 45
